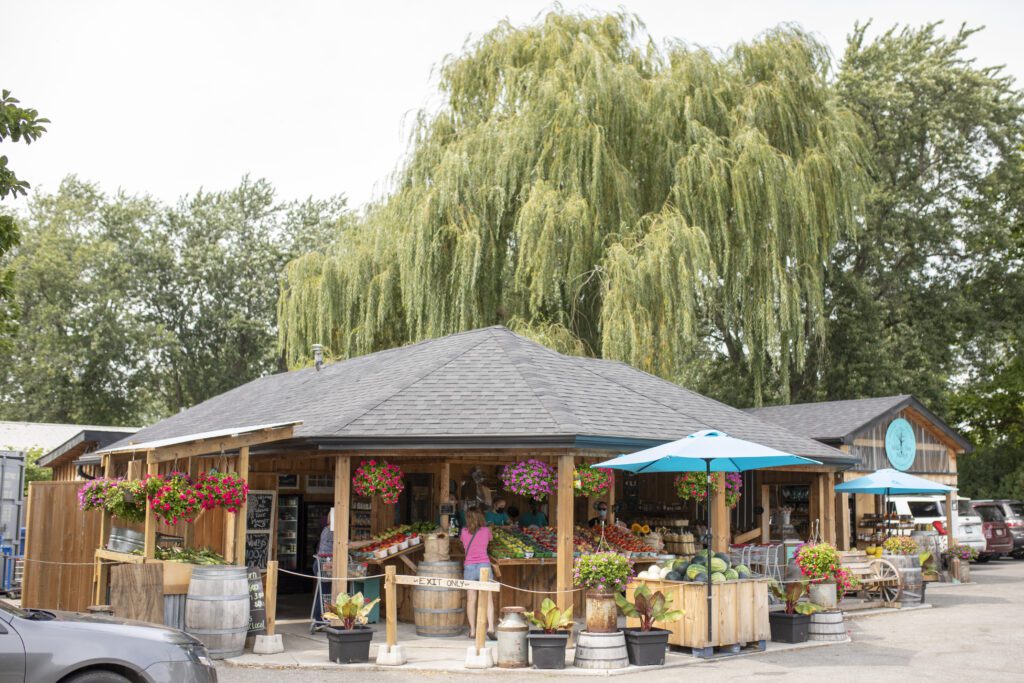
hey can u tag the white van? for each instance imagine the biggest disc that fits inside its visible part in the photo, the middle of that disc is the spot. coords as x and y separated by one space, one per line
927 509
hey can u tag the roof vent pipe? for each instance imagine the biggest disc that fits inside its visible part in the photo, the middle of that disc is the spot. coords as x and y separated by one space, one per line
318 356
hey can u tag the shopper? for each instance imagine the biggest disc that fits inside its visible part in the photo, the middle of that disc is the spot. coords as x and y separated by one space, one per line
475 537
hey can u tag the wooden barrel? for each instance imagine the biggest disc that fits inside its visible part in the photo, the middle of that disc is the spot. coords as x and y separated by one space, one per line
909 567
438 612
124 540
435 548
601 651
217 609
827 626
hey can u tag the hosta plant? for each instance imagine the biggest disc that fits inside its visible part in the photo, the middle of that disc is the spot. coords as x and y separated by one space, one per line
648 608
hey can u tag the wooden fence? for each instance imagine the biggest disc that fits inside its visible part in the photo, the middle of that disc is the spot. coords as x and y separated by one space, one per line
58 532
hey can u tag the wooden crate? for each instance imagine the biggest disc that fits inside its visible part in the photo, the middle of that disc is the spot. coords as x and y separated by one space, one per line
740 608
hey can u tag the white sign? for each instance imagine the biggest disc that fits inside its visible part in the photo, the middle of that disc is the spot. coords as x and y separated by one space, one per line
441 582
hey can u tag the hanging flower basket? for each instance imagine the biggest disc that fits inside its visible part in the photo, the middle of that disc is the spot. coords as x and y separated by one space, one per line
379 479
127 500
172 497
221 489
92 495
531 479
694 486
590 482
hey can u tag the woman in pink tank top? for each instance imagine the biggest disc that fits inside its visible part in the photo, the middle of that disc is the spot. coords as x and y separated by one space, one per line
475 537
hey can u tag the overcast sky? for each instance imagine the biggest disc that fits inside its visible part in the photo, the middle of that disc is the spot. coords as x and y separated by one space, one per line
167 97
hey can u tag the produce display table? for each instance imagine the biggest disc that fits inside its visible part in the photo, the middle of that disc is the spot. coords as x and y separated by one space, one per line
740 608
403 555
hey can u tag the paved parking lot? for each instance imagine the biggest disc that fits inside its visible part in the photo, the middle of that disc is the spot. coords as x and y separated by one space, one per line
974 632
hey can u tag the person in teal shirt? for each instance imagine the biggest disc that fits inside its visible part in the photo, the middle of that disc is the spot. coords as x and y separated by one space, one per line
497 516
535 517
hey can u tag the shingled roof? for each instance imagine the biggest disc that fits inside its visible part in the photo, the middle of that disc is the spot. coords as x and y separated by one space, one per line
838 422
483 388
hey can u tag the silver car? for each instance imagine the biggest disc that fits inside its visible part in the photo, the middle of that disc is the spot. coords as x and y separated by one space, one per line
37 646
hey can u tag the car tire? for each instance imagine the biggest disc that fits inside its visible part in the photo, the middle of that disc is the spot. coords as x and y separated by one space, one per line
96 676
982 559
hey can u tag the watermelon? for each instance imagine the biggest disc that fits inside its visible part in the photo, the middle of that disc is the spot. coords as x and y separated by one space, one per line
680 565
696 570
718 577
718 565
724 558
731 575
743 571
673 576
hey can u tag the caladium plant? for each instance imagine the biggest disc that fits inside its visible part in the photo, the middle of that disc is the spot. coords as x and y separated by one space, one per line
550 618
351 610
790 593
648 608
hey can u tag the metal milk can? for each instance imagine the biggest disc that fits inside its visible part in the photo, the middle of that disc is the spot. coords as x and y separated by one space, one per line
512 631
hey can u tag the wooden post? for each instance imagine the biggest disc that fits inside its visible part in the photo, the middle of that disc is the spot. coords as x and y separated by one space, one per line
270 596
610 499
564 513
240 517
829 523
342 504
190 529
102 572
153 468
391 608
766 513
444 476
720 517
482 598
843 521
950 519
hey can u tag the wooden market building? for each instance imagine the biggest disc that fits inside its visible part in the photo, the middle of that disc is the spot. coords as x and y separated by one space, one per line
445 410
859 427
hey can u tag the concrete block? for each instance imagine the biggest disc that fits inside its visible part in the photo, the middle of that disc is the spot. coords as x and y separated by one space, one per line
484 660
268 645
393 657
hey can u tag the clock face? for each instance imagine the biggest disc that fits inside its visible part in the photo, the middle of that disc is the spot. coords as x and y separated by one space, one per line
900 444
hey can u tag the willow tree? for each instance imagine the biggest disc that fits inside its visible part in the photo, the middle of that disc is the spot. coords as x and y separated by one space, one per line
606 196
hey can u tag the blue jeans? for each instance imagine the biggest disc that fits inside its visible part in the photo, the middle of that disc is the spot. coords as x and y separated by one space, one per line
471 572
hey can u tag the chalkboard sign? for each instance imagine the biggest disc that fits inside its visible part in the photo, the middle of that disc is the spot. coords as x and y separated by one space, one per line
257 604
260 511
257 549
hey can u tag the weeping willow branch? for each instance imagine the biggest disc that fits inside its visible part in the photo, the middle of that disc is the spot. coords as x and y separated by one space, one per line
707 191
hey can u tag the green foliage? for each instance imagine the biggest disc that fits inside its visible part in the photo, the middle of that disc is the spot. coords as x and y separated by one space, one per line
131 310
352 610
34 472
550 618
648 608
17 124
790 593
590 189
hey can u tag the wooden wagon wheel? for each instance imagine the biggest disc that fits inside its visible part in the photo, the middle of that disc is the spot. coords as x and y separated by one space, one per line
887 584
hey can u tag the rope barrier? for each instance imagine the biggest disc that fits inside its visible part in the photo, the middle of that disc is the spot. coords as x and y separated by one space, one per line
527 590
329 578
69 564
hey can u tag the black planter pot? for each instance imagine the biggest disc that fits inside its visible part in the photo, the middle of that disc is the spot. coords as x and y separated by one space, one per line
646 648
349 647
789 628
547 650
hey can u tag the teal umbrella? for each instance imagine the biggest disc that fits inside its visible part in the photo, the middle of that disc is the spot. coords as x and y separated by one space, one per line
888 482
708 451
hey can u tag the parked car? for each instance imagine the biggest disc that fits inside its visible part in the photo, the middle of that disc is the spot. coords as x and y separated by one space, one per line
928 509
1013 512
998 539
38 646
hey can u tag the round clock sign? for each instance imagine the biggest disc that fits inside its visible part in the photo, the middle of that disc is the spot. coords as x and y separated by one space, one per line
900 444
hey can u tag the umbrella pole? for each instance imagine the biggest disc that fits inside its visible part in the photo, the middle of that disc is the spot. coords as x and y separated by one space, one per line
711 537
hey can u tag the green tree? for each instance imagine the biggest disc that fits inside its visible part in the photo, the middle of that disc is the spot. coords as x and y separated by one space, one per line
943 135
16 124
131 309
587 188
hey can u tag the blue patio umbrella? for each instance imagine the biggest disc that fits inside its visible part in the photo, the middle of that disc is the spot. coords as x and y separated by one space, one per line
887 482
706 451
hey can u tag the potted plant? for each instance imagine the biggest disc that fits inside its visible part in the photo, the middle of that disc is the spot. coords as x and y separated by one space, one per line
821 564
790 626
221 489
591 482
549 639
348 637
172 497
530 479
646 645
904 546
379 478
603 575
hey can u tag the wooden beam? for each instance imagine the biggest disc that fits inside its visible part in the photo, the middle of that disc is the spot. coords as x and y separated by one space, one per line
766 513
482 600
720 535
241 517
444 476
342 505
564 515
270 597
828 481
149 550
950 519
390 607
843 522
221 444
190 529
